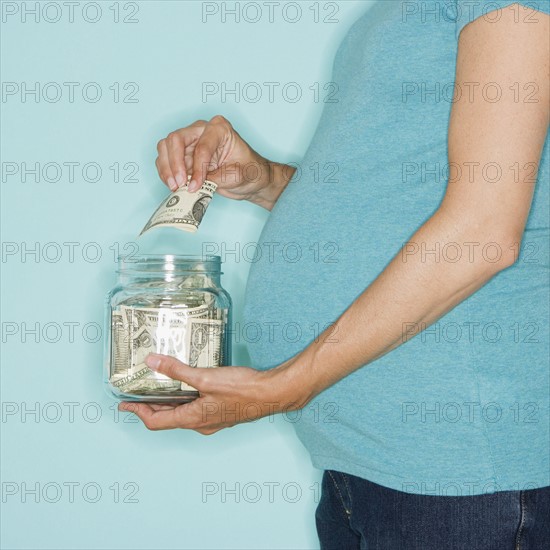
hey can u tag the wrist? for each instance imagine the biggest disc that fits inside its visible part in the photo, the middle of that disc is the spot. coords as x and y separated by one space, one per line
275 178
291 385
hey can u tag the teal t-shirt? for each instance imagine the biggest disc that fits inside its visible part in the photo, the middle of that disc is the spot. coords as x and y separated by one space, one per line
462 408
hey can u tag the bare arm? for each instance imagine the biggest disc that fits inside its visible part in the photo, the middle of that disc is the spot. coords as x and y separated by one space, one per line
413 289
417 290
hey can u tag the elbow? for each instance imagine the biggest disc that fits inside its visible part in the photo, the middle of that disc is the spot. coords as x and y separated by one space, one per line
500 252
490 243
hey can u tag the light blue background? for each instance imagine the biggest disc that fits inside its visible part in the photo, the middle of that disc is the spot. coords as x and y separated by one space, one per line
169 53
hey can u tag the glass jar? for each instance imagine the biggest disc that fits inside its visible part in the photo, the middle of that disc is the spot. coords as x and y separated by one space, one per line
173 305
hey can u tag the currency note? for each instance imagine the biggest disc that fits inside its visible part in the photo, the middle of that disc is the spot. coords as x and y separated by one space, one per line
123 381
119 357
139 341
189 334
204 345
182 209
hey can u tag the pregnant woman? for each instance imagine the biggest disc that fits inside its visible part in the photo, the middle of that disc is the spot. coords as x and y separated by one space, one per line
417 317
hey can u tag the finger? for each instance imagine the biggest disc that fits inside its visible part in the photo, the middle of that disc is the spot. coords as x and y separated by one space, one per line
181 147
126 405
163 166
175 369
192 136
161 406
200 416
203 163
176 143
132 406
208 431
153 420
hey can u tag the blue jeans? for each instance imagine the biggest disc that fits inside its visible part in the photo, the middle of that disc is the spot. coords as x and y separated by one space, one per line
356 514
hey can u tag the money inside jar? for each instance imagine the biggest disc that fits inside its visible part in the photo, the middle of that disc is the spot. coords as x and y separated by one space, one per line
193 334
182 209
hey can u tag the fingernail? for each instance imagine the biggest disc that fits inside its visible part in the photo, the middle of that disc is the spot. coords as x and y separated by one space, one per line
152 361
172 184
193 186
179 179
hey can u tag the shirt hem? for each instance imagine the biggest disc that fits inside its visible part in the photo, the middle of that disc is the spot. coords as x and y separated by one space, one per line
426 487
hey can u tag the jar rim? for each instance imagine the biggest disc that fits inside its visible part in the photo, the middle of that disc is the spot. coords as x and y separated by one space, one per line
162 263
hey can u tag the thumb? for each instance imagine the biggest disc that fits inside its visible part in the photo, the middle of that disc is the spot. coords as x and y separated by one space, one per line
173 368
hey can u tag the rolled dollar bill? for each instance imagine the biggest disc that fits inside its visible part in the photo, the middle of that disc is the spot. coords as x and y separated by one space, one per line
182 209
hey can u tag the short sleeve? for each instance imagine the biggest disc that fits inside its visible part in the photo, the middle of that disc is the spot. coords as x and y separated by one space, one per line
491 10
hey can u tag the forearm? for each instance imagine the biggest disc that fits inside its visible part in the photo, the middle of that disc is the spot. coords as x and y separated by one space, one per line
475 209
413 291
